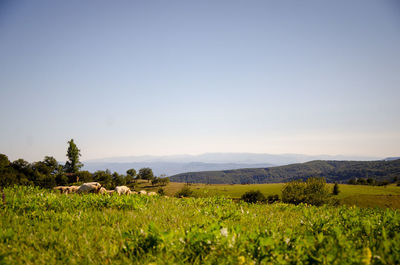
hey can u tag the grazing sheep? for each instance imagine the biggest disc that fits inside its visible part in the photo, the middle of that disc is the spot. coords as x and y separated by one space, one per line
102 190
143 192
72 189
152 193
62 189
122 190
90 187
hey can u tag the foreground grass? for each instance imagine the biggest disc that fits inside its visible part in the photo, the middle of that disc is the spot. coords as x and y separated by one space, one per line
40 227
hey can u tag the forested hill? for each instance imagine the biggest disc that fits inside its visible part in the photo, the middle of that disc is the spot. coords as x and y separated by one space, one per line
340 171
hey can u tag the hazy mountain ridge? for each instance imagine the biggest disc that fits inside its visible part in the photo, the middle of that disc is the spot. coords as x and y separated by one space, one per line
240 158
168 168
340 171
181 163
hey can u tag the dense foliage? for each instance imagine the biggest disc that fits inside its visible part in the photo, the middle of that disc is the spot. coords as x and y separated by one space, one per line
253 196
333 171
184 192
313 191
145 173
40 227
49 173
370 181
335 190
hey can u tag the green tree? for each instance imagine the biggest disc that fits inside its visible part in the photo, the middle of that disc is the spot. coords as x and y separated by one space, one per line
131 172
253 196
73 153
104 177
146 173
8 175
313 191
4 162
85 176
118 180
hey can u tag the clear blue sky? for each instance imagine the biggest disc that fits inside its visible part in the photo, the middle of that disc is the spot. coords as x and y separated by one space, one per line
172 77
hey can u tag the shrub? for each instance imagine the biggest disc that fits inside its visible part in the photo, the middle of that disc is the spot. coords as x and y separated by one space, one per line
253 196
335 190
184 192
313 191
161 192
273 198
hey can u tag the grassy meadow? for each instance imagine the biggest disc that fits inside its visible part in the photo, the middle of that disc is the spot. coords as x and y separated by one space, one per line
359 195
42 227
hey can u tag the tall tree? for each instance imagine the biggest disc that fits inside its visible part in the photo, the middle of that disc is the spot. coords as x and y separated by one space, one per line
131 172
73 153
146 173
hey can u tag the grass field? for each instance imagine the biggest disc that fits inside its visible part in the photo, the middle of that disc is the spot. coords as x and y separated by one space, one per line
41 227
359 195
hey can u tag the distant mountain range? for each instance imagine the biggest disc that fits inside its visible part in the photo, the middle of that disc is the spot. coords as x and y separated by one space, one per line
175 164
167 168
340 171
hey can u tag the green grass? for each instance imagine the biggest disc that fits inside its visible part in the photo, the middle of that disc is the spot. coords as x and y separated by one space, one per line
372 196
41 227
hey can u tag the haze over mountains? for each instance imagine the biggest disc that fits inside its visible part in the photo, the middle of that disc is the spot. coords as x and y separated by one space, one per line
175 164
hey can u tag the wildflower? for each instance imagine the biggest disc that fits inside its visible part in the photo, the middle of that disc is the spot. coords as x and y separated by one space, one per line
366 256
224 232
241 260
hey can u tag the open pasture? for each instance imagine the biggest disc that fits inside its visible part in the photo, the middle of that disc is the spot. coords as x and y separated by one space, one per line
360 195
42 227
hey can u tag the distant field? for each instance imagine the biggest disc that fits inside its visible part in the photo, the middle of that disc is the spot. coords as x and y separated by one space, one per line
360 195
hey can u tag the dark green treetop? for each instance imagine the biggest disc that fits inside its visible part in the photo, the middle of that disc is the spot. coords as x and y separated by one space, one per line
131 172
73 153
146 173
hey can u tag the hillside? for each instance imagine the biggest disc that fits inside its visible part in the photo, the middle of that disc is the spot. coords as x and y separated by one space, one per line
340 171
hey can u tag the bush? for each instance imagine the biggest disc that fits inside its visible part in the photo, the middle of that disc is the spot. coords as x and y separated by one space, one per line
273 198
161 192
335 190
184 192
313 191
253 196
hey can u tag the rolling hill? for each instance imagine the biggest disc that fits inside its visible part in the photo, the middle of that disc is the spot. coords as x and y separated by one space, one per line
340 171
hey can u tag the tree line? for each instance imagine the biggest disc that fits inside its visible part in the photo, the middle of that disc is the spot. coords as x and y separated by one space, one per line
332 171
49 173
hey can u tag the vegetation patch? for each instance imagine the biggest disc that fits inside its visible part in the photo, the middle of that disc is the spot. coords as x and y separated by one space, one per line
42 227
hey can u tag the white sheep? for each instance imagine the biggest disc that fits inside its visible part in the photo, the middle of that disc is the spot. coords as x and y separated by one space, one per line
102 190
143 192
122 190
62 189
72 189
90 187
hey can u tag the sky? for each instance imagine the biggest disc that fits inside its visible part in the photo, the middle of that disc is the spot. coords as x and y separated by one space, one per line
150 77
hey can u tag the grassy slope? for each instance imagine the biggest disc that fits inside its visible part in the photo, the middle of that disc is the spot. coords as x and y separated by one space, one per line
39 227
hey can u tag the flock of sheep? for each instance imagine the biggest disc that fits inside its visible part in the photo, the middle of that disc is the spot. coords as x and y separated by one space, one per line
95 187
